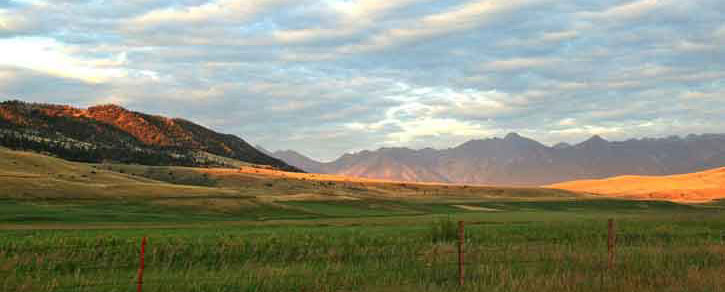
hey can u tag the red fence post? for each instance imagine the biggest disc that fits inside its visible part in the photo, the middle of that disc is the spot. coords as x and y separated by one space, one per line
139 287
461 238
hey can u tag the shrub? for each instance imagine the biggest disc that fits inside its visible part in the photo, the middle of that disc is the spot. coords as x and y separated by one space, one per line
444 230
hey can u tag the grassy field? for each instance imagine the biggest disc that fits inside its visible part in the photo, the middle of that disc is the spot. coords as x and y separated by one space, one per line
78 227
661 247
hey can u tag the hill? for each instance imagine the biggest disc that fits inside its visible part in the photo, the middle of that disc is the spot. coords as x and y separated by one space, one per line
27 175
32 184
112 133
517 160
693 187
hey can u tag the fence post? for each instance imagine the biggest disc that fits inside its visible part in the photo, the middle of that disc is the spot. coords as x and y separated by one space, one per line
461 239
139 287
611 243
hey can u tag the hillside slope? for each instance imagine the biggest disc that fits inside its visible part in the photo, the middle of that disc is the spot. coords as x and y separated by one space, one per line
693 187
112 133
26 175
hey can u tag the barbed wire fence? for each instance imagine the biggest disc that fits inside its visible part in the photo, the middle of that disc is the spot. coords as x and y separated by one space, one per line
132 274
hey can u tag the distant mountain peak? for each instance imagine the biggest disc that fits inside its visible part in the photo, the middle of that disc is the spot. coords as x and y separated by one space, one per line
518 160
513 136
595 140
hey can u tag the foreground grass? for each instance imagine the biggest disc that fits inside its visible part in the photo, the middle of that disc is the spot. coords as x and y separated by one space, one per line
527 247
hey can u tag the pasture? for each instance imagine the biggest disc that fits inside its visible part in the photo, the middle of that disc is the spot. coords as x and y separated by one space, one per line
78 227
525 246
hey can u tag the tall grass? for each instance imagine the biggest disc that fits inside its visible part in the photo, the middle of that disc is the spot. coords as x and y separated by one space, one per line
443 230
676 253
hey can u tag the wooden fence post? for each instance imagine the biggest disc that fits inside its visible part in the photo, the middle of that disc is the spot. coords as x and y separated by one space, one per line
611 243
461 239
139 287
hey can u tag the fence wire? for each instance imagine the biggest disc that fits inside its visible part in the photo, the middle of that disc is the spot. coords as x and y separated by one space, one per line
443 256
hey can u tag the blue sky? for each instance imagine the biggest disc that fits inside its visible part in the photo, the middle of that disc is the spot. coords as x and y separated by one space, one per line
327 77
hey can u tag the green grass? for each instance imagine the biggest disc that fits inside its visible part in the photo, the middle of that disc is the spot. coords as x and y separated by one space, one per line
529 246
75 227
129 211
199 210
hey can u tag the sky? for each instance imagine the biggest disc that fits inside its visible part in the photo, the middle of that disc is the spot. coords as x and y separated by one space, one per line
328 77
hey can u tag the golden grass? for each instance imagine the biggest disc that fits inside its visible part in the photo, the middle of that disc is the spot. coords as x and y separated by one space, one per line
697 187
30 175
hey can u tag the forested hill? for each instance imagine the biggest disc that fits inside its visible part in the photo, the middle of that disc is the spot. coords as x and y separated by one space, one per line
114 134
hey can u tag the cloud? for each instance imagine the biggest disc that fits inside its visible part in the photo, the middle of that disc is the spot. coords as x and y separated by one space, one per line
717 94
9 22
629 10
332 76
351 18
464 17
219 10
521 63
52 57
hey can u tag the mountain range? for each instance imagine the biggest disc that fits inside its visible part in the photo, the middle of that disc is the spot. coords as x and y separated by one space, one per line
110 133
517 160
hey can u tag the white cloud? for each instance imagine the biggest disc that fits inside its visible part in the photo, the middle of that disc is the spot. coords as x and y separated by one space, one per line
465 17
9 21
353 17
704 95
434 127
719 34
559 36
567 122
521 63
52 57
691 46
219 10
630 10
434 112
388 71
588 130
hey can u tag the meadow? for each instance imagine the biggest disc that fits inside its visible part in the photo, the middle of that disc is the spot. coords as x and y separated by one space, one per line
78 227
545 246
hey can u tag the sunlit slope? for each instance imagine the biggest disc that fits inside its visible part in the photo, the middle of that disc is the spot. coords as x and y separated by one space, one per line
25 175
694 187
32 175
42 189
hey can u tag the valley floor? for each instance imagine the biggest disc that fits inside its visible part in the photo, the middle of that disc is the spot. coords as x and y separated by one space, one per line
79 227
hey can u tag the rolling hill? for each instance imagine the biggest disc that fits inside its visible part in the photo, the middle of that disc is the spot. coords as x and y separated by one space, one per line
517 160
36 187
693 187
112 133
27 175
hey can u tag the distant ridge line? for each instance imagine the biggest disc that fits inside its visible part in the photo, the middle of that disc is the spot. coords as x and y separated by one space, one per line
517 160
